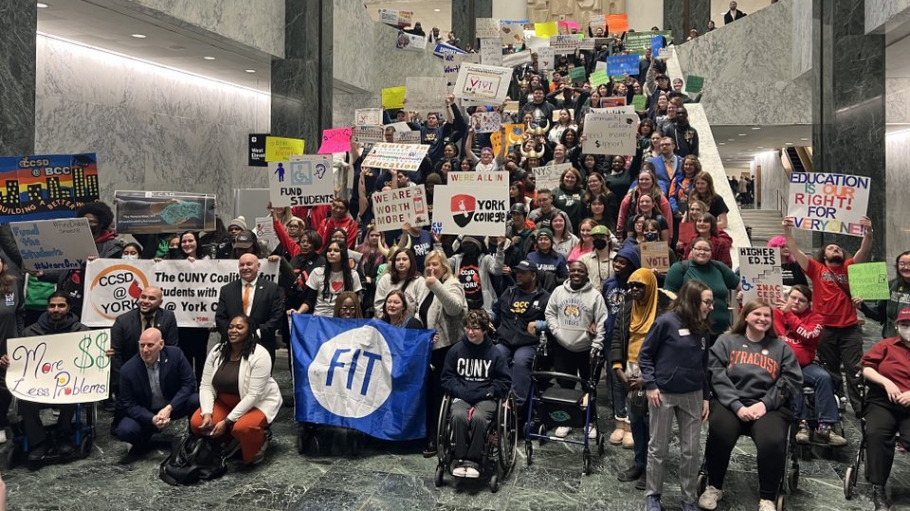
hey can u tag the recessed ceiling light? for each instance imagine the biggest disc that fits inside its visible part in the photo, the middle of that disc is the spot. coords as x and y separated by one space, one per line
250 70
760 147
138 36
731 140
41 5
722 143
804 139
789 143
209 58
742 134
756 127
437 10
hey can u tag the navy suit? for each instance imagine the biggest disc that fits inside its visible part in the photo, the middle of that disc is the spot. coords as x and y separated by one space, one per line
267 310
126 331
134 401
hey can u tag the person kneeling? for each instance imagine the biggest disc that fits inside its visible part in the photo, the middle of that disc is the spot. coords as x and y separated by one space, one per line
238 397
475 375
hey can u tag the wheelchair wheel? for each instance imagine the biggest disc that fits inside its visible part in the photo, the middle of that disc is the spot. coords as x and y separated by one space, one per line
529 451
14 456
507 437
781 502
494 482
849 482
542 431
440 472
601 444
793 479
444 432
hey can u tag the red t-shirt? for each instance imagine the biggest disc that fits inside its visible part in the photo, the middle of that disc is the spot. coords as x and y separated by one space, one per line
802 333
832 299
889 357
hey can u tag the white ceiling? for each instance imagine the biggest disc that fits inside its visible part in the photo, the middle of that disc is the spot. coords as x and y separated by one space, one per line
737 150
97 26
430 13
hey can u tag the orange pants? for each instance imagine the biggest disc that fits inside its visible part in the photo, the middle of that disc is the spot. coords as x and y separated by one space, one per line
249 430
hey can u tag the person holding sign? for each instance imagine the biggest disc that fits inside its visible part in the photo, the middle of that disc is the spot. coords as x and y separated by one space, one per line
791 273
842 342
886 311
12 316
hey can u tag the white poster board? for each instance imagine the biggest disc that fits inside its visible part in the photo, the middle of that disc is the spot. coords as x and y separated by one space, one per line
265 231
487 28
399 206
303 181
425 94
491 52
368 117
826 202
47 245
611 134
548 175
512 33
546 58
411 42
450 66
517 59
396 156
760 271
471 210
488 85
496 179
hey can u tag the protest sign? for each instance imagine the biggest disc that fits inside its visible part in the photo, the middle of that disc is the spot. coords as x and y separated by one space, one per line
265 231
563 44
869 281
63 244
411 42
597 21
599 78
760 271
281 148
154 212
190 289
488 85
470 58
687 232
613 101
486 122
546 30
614 110
512 33
655 255
407 137
640 42
487 28
577 75
395 17
829 202
367 134
426 94
548 176
303 181
47 186
450 68
587 43
617 23
568 25
442 49
546 58
60 369
368 117
257 150
510 107
640 102
611 134
657 44
514 134
622 65
517 59
491 52
694 84
336 140
396 156
399 206
487 179
471 210
393 97
600 65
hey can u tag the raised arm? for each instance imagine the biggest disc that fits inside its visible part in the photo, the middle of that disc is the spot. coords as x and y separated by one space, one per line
865 248
797 254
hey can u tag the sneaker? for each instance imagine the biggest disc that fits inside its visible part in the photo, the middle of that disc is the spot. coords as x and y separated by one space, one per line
38 453
823 433
652 503
709 499
257 459
592 433
835 440
471 470
459 470
617 434
2 436
802 436
430 450
766 505
562 431
631 474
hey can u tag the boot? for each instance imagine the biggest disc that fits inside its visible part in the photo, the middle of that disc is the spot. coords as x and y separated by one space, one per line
627 442
618 433
880 498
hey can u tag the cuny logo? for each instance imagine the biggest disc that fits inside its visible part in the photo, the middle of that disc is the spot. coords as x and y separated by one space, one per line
463 207
115 290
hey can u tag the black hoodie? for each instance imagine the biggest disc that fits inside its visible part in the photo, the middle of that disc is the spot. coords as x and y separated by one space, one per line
44 326
476 372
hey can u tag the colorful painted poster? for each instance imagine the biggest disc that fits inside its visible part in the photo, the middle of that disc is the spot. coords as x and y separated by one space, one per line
512 33
62 244
829 202
303 181
399 206
426 94
611 134
395 17
368 117
281 148
471 210
336 140
486 122
655 255
393 98
486 84
869 281
760 271
47 186
159 212
407 157
487 28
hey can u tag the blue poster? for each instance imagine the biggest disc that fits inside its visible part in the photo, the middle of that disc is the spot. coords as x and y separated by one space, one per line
46 187
361 374
623 65
657 44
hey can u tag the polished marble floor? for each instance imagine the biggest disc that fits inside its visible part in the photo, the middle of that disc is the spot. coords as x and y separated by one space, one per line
397 477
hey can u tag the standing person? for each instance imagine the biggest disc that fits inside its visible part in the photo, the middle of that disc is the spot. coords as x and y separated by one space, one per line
704 191
12 317
674 370
667 165
543 215
129 326
575 317
886 311
721 242
401 274
372 257
568 196
340 219
193 341
473 268
646 185
842 342
754 374
733 14
791 273
598 261
327 282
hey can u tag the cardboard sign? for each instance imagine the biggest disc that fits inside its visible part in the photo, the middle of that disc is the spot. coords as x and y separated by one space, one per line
546 30
190 289
367 134
548 176
486 122
336 140
46 245
368 117
577 75
655 255
257 150
486 179
399 206
598 21
160 212
512 33
395 17
396 156
760 271
546 58
47 186
393 98
510 107
517 59
829 202
60 369
486 84
623 65
565 44
281 148
695 84
303 181
411 42
617 23
426 94
869 281
487 28
611 134
471 210
491 52
612 102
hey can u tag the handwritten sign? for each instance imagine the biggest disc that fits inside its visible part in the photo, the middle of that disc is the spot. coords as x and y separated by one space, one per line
46 245
599 78
336 140
399 206
367 134
486 122
639 101
829 202
160 212
303 181
426 94
760 271
655 255
546 58
450 68
60 369
396 156
514 134
511 33
411 42
617 23
486 179
563 44
368 117
869 281
471 210
577 75
42 187
487 28
491 52
611 134
281 148
393 97
622 65
640 42
548 176
407 137
597 21
486 84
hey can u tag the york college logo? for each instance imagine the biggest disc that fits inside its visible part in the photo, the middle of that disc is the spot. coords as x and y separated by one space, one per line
462 208
115 290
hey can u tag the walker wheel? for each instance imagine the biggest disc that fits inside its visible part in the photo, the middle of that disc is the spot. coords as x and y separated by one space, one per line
601 445
14 455
781 502
587 463
494 483
794 479
849 482
529 451
85 448
437 479
542 431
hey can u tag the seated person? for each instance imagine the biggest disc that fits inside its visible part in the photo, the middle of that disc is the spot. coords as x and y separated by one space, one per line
887 405
475 375
802 329
155 387
238 397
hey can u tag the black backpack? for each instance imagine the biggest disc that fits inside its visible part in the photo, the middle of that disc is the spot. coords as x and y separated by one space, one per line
193 459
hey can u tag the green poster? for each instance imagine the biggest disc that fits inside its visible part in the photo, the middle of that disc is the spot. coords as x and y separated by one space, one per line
694 84
640 101
639 42
869 281
577 74
599 78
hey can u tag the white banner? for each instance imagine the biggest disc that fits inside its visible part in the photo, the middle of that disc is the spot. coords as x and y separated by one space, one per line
496 179
399 206
368 117
517 59
760 271
486 84
265 231
367 134
425 94
491 52
60 369
486 122
396 156
411 42
303 181
611 134
47 245
471 210
548 175
829 202
190 290
487 28
395 17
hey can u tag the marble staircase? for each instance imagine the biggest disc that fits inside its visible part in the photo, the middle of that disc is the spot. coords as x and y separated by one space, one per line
765 224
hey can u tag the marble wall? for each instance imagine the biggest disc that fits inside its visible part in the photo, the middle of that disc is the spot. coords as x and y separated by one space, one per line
801 36
578 10
152 128
18 23
897 175
880 12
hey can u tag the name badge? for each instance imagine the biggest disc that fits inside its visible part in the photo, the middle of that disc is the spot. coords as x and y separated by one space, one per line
684 331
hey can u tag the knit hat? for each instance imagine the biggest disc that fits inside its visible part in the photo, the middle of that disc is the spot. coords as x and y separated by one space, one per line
545 232
471 239
245 239
239 221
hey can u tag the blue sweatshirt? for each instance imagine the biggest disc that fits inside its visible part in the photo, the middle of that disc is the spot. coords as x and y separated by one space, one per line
673 359
476 372
550 262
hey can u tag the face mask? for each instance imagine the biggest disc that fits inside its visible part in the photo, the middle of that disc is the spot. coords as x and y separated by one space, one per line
600 244
650 236
904 332
129 256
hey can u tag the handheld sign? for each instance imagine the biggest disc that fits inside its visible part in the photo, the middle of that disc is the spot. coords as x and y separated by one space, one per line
396 156
623 65
494 178
760 271
548 176
486 122
393 97
368 117
869 281
487 28
281 148
488 85
611 134
47 245
655 255
304 181
399 206
481 211
425 94
159 212
829 202
336 140
694 84
47 186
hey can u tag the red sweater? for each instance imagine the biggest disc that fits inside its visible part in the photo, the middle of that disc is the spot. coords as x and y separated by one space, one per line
720 248
801 332
347 223
889 357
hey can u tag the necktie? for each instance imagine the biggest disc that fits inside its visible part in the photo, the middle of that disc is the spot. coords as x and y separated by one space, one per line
148 323
246 298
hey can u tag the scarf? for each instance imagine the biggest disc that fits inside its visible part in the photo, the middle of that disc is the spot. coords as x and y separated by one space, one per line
643 314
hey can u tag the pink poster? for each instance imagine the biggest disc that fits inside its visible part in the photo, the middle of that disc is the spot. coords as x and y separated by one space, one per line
336 140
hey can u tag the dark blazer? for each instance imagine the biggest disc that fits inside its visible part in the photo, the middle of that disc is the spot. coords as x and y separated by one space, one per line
730 19
267 311
178 384
126 331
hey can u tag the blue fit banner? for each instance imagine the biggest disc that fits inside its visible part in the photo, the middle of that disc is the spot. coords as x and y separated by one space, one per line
361 374
623 65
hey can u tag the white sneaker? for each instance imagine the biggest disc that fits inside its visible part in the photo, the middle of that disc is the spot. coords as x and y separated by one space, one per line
459 471
592 433
2 436
709 499
766 505
471 473
562 431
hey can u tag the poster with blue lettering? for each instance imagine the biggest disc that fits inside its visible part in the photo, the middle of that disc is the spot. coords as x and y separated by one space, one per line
361 374
826 202
623 65
41 187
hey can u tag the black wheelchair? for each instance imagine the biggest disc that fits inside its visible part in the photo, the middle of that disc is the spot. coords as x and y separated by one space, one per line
83 431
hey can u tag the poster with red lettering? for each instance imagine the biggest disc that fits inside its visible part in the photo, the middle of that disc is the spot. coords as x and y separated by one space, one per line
825 202
488 85
398 206
760 271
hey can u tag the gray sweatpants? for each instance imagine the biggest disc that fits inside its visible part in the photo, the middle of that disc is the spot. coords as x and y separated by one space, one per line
687 410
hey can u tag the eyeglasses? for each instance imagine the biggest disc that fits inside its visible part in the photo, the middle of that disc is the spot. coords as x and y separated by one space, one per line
903 265
699 249
475 328
708 303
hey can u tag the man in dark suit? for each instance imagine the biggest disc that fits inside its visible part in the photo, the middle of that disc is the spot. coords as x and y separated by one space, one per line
259 298
129 326
155 387
733 14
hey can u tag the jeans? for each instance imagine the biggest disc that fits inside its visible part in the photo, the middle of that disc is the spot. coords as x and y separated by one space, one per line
641 437
520 359
826 409
619 392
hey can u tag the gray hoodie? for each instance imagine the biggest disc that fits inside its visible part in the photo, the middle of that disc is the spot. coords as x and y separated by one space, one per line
570 312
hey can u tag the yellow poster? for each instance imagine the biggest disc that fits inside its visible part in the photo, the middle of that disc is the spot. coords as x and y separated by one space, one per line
514 132
546 30
393 97
280 149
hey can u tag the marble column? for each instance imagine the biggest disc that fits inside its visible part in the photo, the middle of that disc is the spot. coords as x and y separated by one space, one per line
302 81
848 106
464 12
18 26
680 16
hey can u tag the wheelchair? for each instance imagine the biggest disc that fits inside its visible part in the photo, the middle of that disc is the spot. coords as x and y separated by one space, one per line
501 451
83 437
805 450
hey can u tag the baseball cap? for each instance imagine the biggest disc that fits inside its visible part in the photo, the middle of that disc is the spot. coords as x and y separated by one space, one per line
529 266
245 239
519 208
903 315
600 230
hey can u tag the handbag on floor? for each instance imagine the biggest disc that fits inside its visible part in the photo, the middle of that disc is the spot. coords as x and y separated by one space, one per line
193 459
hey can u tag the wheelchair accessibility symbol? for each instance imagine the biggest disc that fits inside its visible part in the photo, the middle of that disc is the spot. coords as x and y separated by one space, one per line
746 284
301 175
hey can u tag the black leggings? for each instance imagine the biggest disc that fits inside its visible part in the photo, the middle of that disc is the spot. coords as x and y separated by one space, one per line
577 363
434 390
194 343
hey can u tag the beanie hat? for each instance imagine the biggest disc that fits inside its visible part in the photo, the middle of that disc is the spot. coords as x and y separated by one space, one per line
545 232
239 221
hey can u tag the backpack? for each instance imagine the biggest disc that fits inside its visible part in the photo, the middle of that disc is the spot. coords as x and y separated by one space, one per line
192 459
